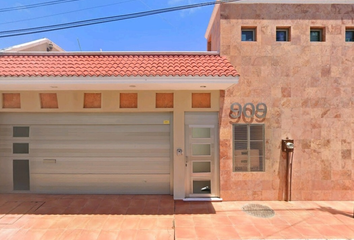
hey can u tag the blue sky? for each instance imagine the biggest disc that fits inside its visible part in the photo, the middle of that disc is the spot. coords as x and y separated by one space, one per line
174 31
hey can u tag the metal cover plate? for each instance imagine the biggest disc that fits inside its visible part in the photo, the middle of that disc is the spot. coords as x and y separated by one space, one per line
258 210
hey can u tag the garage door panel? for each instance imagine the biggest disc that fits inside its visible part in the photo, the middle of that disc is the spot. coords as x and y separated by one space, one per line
90 153
6 178
5 132
79 152
89 148
126 137
101 165
6 163
6 183
84 118
6 149
112 132
99 144
100 183
63 132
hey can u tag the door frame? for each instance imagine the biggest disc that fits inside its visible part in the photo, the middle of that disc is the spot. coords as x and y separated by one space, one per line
214 175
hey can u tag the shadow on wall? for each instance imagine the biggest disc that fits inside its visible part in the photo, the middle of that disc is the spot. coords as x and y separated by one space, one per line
282 174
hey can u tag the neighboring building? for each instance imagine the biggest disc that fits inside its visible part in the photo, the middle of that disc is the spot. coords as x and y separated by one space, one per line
296 57
40 45
111 122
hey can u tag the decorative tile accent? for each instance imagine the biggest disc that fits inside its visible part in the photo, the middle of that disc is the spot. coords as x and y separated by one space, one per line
92 100
201 100
128 100
11 100
48 100
164 100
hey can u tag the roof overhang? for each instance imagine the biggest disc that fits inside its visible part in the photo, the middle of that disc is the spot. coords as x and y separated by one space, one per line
115 83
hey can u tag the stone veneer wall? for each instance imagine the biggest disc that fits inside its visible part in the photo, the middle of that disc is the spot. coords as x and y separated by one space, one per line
215 34
308 88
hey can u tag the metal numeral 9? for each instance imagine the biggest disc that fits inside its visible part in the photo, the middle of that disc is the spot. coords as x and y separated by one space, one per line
236 113
260 111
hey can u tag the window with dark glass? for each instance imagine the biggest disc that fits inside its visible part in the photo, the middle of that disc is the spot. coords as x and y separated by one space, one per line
248 147
317 35
20 148
282 35
20 132
349 35
21 176
248 34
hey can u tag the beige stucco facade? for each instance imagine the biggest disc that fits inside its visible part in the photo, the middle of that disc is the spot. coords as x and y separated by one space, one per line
308 89
109 102
73 101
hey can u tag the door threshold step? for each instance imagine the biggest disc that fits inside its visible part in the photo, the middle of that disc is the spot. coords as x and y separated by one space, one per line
202 199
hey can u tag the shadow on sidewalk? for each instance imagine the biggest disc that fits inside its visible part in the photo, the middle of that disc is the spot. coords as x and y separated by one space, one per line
20 204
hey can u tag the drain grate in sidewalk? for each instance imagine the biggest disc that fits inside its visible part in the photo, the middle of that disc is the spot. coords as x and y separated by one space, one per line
258 210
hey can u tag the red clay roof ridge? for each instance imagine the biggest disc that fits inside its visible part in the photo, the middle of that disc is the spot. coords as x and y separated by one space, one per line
103 53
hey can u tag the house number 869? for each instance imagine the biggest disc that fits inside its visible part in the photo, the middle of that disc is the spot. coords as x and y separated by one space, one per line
248 110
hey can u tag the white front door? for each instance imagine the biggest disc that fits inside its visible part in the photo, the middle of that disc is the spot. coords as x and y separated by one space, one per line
202 155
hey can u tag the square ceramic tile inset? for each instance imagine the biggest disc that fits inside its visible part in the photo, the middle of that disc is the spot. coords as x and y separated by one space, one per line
48 100
11 100
92 100
164 100
201 100
128 100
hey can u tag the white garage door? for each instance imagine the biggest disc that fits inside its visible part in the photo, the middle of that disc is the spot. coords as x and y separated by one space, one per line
126 153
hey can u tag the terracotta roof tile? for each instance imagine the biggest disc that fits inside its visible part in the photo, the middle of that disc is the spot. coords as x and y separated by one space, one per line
12 65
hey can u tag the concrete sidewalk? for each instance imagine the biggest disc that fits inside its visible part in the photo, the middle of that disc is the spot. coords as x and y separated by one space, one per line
31 216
